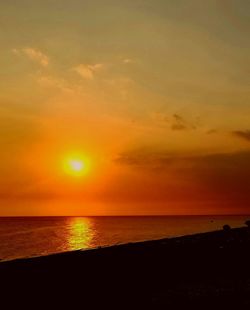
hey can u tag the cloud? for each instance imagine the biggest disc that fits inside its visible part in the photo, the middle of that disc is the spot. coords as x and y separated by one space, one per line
175 121
54 82
179 123
149 159
223 177
159 117
88 71
33 54
212 131
127 61
242 134
15 51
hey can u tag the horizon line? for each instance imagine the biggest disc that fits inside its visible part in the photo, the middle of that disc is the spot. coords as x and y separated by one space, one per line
122 215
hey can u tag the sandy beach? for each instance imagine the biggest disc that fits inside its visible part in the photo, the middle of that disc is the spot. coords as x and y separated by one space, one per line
208 270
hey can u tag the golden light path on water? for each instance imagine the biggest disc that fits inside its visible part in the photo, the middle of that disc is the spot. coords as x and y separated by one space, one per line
81 233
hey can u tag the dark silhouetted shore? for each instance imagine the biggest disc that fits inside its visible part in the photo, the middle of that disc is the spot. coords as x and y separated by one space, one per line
202 271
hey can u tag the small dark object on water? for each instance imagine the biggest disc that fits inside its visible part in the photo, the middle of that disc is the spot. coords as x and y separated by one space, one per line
226 228
248 223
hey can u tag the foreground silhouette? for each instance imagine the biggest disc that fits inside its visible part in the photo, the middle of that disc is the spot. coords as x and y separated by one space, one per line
203 271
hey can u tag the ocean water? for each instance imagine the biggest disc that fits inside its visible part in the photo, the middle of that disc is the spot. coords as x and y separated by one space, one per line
35 236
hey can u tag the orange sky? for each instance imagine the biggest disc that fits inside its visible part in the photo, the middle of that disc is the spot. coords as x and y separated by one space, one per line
152 95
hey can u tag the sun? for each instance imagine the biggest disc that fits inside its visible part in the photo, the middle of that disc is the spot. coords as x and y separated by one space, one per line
76 165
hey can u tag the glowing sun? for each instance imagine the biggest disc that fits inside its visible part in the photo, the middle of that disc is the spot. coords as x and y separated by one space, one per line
76 165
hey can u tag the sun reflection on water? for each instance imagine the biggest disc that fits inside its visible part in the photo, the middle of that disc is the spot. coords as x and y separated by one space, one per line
81 233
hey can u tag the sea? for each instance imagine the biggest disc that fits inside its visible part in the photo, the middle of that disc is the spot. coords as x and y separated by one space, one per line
22 237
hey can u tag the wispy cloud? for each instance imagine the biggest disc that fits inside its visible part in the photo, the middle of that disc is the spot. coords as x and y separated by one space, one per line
54 82
180 123
212 131
127 61
242 134
15 51
34 54
88 71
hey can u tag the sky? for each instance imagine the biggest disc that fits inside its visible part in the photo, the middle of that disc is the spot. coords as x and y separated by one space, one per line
152 96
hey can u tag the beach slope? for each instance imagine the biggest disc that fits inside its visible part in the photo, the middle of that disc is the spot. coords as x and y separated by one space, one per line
202 271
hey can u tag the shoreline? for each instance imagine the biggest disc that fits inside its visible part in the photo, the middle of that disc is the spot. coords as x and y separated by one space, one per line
11 253
98 248
202 269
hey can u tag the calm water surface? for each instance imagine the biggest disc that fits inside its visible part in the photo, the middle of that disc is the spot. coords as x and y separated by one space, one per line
32 236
